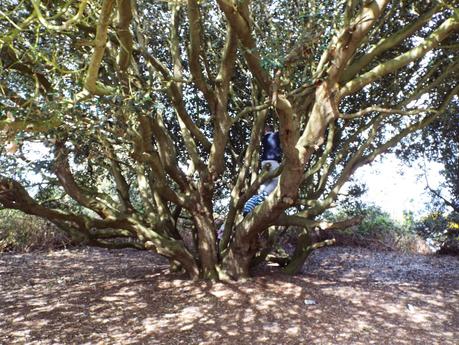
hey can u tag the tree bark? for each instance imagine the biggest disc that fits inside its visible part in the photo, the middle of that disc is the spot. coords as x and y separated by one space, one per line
207 244
302 250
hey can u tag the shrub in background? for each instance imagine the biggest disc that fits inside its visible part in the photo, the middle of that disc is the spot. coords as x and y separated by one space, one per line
20 232
378 229
441 230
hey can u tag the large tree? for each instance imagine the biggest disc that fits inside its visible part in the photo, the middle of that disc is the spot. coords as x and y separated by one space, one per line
153 110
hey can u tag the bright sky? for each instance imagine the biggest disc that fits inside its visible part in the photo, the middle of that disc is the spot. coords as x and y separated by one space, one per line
396 187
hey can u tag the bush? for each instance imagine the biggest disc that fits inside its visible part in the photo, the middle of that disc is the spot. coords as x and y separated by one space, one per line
20 232
379 230
441 230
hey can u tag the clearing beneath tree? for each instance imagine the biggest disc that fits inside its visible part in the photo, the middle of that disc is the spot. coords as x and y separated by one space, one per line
344 296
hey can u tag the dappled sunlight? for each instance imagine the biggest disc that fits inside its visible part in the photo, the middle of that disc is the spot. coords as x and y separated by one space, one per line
97 296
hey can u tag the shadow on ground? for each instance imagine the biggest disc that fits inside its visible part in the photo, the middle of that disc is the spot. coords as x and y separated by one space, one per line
97 296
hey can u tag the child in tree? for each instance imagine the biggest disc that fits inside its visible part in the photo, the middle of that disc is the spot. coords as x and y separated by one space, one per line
271 156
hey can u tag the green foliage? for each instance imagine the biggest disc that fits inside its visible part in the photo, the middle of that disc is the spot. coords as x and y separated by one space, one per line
442 230
439 142
23 233
375 224
379 229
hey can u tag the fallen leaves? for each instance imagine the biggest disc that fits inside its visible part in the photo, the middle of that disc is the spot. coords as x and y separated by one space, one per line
346 296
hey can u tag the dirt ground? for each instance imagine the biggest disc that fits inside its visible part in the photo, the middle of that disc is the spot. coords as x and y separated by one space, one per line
344 296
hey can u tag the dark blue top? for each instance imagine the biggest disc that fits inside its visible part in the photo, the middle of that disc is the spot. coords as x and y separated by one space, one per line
271 149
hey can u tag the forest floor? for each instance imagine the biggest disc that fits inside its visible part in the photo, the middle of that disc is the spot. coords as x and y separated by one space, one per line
345 295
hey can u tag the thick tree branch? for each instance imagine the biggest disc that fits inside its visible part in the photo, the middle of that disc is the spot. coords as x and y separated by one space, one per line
91 82
166 147
446 28
222 122
122 187
145 153
195 52
349 39
186 123
124 17
146 191
173 84
349 11
386 44
239 19
67 180
13 195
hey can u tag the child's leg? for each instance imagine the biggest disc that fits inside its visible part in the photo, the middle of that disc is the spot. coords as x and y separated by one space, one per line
269 185
253 202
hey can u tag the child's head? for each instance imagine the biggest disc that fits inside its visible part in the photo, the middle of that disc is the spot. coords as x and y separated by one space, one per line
269 128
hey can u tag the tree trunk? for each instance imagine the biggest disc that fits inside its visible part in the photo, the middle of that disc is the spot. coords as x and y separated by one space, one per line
237 264
302 251
266 243
207 245
190 267
175 266
238 259
176 251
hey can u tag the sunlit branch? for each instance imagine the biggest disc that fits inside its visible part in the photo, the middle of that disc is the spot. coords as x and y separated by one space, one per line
350 38
239 19
145 194
91 82
188 128
173 84
429 43
248 110
67 180
66 25
386 44
376 109
221 120
349 10
359 160
124 18
117 244
16 26
13 195
122 187
195 52
145 153
167 150
413 127
30 126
